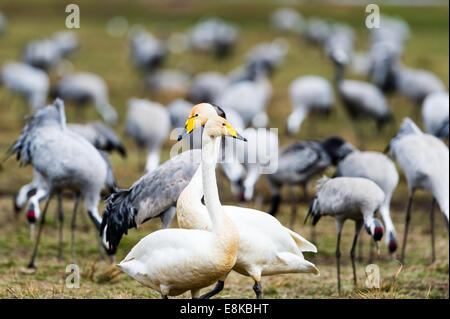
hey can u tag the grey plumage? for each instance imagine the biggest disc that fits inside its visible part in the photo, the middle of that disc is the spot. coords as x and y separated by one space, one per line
153 195
381 170
100 135
140 113
63 158
299 162
28 81
424 160
84 87
435 114
348 198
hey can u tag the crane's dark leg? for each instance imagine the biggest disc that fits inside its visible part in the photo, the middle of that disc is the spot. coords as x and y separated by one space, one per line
358 227
74 220
360 248
41 225
294 208
338 259
408 218
61 224
218 288
433 252
257 288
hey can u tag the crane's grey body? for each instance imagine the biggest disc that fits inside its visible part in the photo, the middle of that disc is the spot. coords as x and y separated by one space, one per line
345 198
435 114
206 87
417 84
148 123
424 160
29 82
299 162
154 195
147 52
380 169
83 87
308 93
63 159
100 135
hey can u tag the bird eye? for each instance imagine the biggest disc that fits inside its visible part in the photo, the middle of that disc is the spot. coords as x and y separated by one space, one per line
223 124
196 115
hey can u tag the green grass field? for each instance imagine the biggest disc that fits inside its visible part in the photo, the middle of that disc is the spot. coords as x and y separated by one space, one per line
107 56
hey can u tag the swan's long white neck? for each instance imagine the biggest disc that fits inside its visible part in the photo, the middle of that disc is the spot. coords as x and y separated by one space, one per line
210 153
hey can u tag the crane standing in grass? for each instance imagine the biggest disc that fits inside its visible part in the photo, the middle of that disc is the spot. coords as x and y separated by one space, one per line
65 161
348 198
424 160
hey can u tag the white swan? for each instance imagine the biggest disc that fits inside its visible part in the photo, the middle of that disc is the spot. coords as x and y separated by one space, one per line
265 246
173 261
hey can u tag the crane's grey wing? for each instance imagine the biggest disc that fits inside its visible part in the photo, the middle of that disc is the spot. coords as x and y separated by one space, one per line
149 196
301 157
107 139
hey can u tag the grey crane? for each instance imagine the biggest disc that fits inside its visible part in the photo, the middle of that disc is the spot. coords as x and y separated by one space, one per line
146 51
287 20
140 113
308 93
435 114
299 162
381 170
348 198
65 161
424 160
361 99
84 87
153 195
206 87
27 81
100 135
214 35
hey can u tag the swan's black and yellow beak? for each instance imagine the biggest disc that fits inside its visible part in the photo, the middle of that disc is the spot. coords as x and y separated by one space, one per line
232 132
189 127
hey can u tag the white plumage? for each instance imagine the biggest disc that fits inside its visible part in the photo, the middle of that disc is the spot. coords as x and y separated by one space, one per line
173 261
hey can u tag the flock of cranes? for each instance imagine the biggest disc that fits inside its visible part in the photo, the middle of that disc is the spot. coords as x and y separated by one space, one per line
213 239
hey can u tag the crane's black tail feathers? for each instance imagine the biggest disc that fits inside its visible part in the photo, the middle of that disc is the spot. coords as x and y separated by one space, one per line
312 212
118 217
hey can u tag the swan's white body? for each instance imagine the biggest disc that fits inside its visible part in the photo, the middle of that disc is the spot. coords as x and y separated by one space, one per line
265 246
173 261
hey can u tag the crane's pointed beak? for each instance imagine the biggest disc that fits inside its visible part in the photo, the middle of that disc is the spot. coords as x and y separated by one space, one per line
378 248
